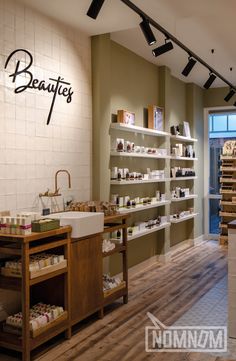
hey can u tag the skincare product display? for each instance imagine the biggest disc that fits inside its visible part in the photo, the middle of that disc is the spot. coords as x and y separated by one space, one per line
124 174
110 282
16 225
128 202
182 150
174 130
149 224
37 262
40 315
181 214
107 246
122 145
108 208
179 192
182 172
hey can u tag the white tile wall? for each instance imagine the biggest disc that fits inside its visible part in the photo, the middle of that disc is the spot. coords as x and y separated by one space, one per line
30 151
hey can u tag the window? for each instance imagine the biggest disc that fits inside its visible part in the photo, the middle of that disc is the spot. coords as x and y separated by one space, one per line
222 125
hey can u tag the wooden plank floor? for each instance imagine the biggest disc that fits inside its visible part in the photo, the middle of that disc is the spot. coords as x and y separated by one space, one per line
167 291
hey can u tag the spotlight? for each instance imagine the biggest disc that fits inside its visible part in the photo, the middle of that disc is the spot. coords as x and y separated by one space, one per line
189 66
94 8
147 32
209 81
230 95
163 48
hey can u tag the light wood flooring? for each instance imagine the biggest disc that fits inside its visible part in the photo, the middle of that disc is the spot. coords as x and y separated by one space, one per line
167 291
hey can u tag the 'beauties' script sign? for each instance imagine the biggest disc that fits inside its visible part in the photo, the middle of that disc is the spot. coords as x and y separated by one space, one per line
56 86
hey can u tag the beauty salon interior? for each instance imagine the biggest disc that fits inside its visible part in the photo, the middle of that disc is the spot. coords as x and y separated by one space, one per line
117 180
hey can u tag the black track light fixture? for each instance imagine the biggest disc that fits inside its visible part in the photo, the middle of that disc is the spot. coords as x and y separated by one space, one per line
163 48
95 8
189 66
209 81
147 31
229 95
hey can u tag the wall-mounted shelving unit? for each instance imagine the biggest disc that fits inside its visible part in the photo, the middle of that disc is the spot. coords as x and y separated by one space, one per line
137 129
141 207
169 206
132 182
183 178
191 196
183 139
182 219
149 231
139 155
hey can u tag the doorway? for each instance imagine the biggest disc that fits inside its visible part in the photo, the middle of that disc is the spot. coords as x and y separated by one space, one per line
220 126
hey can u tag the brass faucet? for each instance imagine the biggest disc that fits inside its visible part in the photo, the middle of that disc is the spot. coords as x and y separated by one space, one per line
69 179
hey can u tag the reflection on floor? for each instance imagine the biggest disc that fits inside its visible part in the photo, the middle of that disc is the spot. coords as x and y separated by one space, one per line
211 310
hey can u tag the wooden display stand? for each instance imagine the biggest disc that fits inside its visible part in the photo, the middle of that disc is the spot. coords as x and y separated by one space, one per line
228 192
37 289
112 224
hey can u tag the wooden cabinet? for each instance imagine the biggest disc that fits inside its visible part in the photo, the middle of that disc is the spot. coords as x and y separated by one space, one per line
50 287
86 277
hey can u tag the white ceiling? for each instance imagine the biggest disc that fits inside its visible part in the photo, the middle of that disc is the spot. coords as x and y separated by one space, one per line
201 25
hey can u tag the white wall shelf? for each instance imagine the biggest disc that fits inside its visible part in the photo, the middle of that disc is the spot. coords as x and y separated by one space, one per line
141 207
182 178
192 196
149 231
139 155
182 158
124 182
137 129
182 219
183 139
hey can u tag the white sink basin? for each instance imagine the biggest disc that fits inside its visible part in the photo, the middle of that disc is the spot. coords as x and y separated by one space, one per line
83 223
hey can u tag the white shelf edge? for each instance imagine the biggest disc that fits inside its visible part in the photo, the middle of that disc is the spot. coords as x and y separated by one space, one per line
137 129
182 219
149 231
192 196
182 158
184 139
139 155
124 182
182 178
139 208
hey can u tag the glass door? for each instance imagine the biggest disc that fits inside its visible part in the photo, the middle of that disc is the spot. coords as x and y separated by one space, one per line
221 127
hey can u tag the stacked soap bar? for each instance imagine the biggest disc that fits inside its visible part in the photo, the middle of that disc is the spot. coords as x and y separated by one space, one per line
20 224
107 246
37 262
40 315
110 282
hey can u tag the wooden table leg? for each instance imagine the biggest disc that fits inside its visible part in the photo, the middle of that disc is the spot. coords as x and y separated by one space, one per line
25 299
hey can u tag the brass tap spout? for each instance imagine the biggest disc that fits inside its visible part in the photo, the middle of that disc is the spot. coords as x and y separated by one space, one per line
69 178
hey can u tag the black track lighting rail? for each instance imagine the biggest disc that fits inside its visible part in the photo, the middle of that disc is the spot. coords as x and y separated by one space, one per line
171 37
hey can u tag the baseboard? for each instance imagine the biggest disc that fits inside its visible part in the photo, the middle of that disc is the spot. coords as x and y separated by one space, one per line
164 258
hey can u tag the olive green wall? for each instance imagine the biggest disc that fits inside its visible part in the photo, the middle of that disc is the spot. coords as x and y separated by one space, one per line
123 80
214 97
134 82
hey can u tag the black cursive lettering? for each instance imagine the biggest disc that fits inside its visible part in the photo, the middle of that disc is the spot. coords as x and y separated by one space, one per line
58 87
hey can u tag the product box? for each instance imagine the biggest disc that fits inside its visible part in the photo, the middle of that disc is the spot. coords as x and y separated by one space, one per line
123 116
155 117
